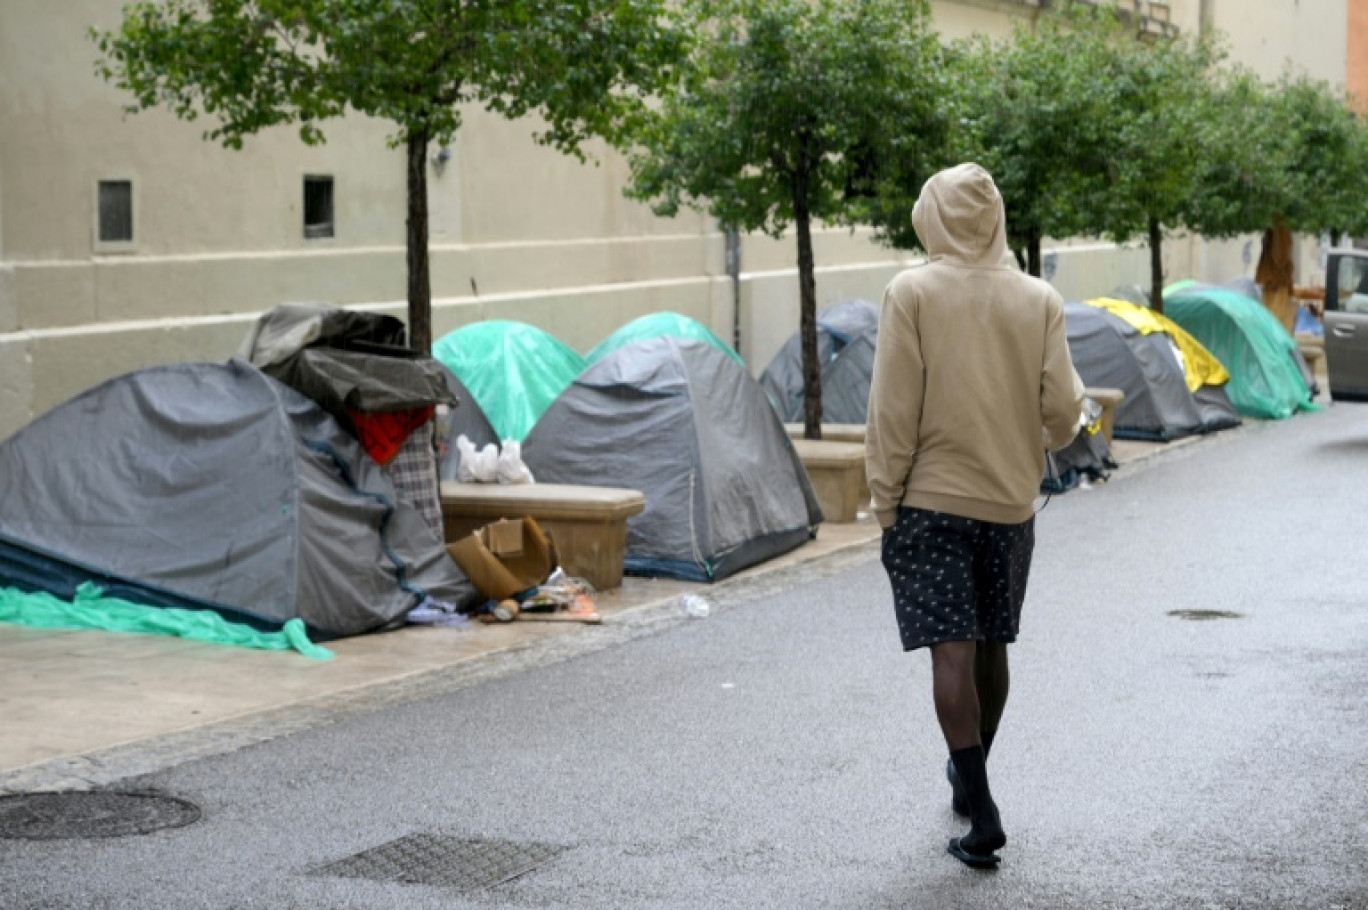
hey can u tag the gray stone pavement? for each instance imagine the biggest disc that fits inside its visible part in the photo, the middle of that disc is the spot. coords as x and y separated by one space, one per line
83 709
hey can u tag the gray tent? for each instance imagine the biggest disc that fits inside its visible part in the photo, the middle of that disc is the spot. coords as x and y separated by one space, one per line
215 486
466 419
687 425
1109 352
846 334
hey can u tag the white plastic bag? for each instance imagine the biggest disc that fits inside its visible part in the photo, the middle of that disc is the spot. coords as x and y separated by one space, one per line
480 466
512 469
465 468
487 464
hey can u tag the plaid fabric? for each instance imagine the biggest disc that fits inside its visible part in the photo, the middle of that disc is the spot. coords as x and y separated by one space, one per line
414 473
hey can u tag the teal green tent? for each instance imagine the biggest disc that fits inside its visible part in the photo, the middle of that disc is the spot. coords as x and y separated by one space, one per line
513 370
1261 357
656 325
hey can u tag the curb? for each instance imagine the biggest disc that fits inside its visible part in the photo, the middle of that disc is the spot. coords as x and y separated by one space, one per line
115 764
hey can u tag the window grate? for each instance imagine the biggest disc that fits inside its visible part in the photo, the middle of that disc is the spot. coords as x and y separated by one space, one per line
318 207
115 204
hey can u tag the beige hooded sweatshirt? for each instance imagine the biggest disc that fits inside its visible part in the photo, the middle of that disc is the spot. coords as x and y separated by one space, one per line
972 375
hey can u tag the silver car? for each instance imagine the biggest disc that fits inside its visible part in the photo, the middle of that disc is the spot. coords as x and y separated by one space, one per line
1346 324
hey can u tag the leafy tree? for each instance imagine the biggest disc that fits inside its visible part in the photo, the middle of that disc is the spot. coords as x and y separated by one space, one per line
785 114
1283 157
1154 129
1032 111
584 65
1243 171
1327 180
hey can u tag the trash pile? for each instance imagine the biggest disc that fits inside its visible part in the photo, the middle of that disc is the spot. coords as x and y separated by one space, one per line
514 565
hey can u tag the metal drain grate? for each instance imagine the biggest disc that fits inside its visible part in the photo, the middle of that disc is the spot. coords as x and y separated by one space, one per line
447 862
91 813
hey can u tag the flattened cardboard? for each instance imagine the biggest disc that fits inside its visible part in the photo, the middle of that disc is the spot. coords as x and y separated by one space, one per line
506 538
500 578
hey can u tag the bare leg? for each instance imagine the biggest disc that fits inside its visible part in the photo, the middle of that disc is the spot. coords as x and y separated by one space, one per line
957 700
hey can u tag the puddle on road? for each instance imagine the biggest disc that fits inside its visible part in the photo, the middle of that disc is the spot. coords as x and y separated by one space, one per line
1203 615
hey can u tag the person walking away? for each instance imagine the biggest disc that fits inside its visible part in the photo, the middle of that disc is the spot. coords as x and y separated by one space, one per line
972 384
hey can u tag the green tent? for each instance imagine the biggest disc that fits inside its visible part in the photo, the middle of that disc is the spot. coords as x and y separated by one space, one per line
513 370
1261 357
656 325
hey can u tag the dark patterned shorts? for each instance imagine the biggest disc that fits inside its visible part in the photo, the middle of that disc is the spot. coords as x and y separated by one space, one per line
956 579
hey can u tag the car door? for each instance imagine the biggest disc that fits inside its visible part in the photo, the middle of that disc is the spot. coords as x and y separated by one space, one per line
1346 325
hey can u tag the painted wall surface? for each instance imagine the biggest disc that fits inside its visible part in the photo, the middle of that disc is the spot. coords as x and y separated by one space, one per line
1356 54
518 231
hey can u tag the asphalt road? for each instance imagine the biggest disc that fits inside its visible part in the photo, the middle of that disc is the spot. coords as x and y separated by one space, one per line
783 753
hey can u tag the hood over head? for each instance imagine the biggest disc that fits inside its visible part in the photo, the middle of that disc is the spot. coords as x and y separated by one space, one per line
959 217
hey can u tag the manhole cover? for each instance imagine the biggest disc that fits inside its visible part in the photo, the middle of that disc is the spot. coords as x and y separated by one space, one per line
1202 615
448 862
92 813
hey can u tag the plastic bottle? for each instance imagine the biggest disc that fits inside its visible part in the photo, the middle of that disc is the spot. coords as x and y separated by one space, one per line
695 606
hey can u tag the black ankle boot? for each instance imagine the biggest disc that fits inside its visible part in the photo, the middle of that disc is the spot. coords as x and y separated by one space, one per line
985 837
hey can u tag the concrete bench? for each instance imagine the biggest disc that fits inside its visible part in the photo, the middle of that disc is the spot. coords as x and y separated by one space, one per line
588 524
1109 399
837 471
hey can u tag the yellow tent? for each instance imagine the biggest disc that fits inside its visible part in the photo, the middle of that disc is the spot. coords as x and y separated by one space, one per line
1200 366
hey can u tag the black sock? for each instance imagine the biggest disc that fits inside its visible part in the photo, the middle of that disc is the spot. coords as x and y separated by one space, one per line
985 833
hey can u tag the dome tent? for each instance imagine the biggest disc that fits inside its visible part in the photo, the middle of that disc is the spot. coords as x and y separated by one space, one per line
214 486
685 424
846 335
1109 352
513 370
1267 372
1206 377
655 325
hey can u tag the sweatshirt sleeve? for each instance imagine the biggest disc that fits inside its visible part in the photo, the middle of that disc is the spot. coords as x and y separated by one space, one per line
895 403
1061 391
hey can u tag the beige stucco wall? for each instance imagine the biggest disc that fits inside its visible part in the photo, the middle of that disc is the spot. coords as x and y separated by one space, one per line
518 231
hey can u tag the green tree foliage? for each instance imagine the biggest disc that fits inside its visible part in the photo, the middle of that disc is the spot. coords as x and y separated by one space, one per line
585 66
1032 111
1327 189
1290 153
1243 170
790 111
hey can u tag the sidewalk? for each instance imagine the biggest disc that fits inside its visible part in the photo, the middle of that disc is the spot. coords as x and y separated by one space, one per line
87 708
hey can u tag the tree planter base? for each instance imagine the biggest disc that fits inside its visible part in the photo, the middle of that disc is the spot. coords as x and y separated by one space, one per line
837 470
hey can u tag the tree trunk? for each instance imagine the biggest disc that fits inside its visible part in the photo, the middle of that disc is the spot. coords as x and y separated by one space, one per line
1033 252
1156 245
807 303
1335 238
1275 273
419 282
1020 257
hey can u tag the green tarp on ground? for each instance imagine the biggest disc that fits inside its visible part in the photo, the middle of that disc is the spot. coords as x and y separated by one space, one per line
1265 379
90 609
513 370
656 325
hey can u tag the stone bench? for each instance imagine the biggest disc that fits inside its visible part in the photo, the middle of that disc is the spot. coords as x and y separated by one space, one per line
837 471
837 432
588 524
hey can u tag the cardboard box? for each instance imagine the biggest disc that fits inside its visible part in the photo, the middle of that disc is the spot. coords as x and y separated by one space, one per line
505 558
